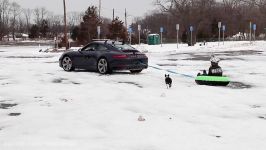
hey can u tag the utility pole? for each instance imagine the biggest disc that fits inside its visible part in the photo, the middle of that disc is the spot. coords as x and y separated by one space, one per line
139 29
219 27
126 17
223 28
100 5
161 30
130 34
254 29
250 28
66 39
113 14
191 35
177 30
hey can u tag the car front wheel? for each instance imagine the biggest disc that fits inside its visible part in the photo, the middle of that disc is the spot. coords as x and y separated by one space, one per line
67 64
102 66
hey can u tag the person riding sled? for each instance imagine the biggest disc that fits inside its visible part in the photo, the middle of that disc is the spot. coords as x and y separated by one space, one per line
215 69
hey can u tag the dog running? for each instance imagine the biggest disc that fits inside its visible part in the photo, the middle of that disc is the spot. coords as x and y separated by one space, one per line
168 81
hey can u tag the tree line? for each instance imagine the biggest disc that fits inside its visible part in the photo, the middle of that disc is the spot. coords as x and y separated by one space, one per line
37 23
40 23
204 16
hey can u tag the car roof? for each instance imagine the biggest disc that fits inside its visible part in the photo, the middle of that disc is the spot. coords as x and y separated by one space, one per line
111 42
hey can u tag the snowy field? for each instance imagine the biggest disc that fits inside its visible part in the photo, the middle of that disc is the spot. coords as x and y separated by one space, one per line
43 107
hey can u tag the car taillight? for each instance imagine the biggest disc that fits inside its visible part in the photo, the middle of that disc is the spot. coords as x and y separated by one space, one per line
120 56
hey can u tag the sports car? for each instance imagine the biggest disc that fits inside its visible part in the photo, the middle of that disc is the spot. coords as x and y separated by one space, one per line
105 57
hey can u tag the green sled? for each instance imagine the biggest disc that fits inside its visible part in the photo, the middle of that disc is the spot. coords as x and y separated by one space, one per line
212 80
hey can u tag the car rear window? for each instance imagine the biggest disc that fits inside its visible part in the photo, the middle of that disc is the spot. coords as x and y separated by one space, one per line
123 47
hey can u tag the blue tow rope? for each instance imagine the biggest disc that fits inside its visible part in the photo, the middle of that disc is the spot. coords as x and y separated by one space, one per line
170 71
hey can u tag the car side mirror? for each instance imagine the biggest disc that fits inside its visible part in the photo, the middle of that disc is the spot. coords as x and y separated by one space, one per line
80 49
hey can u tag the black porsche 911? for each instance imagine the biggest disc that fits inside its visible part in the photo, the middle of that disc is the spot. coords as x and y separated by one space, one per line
105 57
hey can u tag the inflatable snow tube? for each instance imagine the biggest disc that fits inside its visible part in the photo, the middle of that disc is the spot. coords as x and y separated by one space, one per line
212 80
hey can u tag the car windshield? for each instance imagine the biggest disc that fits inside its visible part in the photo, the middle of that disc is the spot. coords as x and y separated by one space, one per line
123 47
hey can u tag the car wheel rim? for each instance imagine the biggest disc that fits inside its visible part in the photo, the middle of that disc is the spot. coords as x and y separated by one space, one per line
67 64
102 66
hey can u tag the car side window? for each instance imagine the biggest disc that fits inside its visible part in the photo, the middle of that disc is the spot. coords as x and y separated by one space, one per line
101 47
90 47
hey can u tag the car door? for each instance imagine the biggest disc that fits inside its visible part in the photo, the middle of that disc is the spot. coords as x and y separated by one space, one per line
84 60
99 51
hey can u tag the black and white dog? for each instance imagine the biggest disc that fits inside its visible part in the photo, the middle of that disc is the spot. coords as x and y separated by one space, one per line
168 81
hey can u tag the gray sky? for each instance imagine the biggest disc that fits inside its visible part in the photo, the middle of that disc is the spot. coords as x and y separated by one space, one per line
134 7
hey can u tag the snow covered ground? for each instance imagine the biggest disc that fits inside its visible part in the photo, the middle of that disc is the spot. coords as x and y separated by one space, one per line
43 107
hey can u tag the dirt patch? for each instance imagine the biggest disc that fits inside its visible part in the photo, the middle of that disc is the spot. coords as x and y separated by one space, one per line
38 97
58 80
132 83
255 106
14 114
65 100
217 136
262 117
198 57
240 53
239 85
167 64
2 78
234 58
255 73
76 83
172 59
50 73
6 105
31 57
5 83
51 62
206 56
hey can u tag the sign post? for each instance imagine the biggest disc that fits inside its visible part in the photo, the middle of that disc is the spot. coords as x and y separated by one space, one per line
250 28
161 31
219 26
177 31
99 31
130 34
254 29
265 32
223 28
139 28
55 43
191 35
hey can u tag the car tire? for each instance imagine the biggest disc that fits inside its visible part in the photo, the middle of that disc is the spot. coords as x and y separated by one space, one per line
67 64
135 71
103 66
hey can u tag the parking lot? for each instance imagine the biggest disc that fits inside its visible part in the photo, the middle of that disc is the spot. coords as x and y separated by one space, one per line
39 101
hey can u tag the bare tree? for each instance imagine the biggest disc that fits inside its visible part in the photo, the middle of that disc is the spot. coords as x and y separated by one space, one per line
15 10
43 12
27 14
4 22
37 14
74 18
56 24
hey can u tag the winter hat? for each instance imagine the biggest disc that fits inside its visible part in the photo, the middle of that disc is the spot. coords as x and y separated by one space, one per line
214 59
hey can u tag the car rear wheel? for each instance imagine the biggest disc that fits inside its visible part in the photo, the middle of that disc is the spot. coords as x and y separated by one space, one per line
67 64
102 66
135 71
